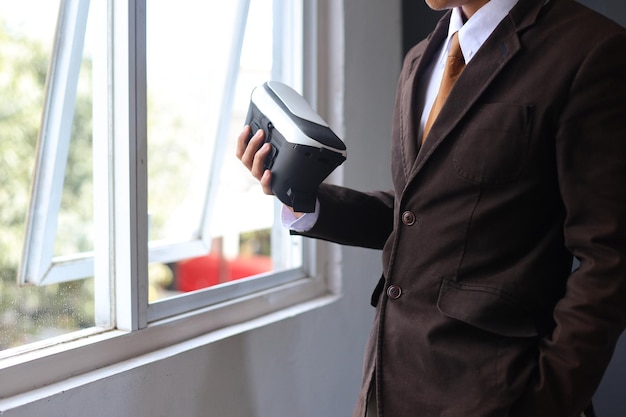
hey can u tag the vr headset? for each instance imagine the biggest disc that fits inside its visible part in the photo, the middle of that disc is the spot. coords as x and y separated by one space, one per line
304 150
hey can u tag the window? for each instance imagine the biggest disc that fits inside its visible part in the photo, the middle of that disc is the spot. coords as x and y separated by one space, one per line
139 213
208 222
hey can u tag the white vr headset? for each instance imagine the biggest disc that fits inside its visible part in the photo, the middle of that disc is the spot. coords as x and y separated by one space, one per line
304 149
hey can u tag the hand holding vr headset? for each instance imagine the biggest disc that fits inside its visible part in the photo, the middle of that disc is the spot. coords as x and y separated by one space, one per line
287 146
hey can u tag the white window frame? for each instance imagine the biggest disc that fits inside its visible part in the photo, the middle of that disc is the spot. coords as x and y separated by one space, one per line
39 266
130 327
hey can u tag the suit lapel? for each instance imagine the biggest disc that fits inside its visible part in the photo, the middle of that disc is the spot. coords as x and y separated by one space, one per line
410 110
496 52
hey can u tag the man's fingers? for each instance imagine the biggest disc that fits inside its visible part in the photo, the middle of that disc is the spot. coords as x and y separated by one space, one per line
258 162
266 181
242 141
252 153
250 150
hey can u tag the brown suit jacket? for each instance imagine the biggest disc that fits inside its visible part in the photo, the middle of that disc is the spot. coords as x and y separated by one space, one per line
479 314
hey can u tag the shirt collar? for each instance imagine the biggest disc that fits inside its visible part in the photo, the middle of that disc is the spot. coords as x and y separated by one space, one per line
474 32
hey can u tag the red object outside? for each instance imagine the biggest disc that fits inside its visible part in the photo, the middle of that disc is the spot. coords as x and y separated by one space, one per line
205 271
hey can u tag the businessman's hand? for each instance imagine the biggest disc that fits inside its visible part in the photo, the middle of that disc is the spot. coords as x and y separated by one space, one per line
252 154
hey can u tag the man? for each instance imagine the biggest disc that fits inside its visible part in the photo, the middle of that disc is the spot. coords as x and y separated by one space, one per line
522 170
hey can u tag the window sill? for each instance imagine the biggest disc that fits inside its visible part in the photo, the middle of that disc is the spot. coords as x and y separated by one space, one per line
97 353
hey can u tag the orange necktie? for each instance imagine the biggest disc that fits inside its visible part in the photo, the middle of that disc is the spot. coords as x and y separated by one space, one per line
454 66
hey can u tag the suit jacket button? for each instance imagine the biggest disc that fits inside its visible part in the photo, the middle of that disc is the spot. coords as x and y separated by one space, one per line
394 292
408 218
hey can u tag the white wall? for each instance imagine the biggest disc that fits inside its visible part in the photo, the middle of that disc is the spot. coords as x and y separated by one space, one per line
308 365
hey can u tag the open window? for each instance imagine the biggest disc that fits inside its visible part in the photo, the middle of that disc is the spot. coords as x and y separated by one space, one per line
136 192
202 60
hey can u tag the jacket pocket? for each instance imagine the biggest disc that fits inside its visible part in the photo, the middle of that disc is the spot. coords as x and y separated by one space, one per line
486 308
493 146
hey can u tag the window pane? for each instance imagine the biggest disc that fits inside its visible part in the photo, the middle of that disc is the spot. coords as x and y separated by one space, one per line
28 314
188 57
31 314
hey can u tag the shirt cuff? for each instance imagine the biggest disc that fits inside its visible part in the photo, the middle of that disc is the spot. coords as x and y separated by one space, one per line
302 224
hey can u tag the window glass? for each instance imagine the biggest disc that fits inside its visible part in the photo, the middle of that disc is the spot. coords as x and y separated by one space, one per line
197 103
28 313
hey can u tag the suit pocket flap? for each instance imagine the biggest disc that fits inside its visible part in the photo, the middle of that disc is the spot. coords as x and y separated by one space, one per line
486 308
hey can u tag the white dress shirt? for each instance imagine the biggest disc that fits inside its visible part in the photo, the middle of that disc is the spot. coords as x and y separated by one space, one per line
472 35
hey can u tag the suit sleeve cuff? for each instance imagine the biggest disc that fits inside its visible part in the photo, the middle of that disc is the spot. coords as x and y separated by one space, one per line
302 224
